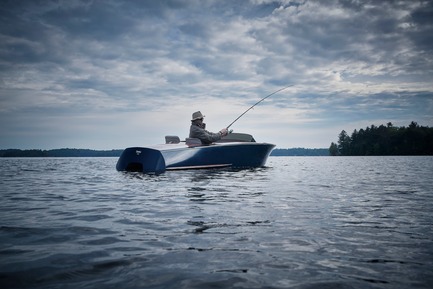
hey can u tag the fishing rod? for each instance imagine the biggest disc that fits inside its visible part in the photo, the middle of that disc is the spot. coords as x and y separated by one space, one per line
258 103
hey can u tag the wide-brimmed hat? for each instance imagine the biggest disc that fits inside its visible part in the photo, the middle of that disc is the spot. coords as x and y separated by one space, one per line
197 115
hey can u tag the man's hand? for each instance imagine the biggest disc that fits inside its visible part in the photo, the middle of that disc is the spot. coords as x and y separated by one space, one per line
223 132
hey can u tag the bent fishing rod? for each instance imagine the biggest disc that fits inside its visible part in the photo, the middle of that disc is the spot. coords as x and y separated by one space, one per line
258 103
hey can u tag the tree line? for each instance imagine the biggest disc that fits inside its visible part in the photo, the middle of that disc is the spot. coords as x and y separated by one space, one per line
385 140
11 153
300 152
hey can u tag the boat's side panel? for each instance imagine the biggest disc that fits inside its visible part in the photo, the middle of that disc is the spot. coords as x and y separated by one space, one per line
141 159
178 156
238 155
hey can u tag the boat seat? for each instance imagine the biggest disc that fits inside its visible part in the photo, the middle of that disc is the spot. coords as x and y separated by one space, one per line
193 142
172 139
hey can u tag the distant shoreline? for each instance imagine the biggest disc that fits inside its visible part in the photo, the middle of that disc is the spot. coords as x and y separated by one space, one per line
68 152
65 152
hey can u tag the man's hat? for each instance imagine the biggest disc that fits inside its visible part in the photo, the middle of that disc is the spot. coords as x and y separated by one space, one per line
197 115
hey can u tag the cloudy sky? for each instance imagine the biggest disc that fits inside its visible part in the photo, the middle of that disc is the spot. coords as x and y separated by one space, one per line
112 74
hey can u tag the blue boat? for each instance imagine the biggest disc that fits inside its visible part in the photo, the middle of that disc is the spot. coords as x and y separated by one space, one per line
236 150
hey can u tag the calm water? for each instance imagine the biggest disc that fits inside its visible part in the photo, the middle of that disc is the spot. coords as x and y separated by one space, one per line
302 222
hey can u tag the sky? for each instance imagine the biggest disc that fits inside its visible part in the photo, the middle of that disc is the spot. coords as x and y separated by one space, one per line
113 74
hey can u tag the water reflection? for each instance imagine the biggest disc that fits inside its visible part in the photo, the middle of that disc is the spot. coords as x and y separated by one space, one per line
226 201
224 185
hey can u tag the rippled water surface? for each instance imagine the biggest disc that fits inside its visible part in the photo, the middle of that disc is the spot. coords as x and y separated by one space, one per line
302 222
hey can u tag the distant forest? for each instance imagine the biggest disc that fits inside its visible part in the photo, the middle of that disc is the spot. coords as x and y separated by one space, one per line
385 140
300 152
11 153
373 140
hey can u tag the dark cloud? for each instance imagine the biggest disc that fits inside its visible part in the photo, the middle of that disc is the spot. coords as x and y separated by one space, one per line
106 57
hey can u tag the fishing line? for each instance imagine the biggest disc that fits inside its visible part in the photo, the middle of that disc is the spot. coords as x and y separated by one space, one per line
258 103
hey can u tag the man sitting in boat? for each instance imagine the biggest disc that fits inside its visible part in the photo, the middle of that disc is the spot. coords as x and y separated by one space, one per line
197 130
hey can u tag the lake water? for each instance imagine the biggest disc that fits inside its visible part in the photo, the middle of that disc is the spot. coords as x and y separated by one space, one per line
301 222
